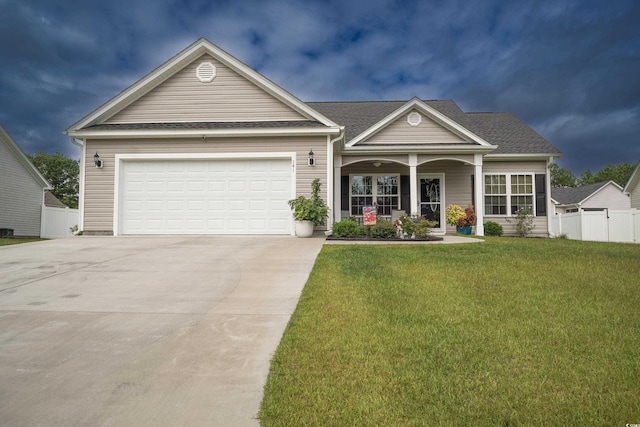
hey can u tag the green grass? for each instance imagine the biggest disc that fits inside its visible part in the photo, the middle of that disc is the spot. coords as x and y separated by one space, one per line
18 240
505 332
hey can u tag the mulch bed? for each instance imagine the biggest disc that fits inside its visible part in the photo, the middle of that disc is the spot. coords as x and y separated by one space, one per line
395 239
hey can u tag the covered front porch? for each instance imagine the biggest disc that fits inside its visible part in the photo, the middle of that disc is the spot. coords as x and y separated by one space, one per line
412 183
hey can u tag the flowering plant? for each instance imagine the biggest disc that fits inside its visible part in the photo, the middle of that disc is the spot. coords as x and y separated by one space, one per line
459 218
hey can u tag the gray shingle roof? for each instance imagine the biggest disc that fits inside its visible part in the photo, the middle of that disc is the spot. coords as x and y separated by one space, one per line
574 195
206 125
509 134
502 129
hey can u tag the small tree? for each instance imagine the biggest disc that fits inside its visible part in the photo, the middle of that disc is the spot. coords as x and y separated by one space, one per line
62 173
561 177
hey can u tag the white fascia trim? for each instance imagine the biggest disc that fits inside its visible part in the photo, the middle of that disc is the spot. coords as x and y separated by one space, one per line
180 133
424 149
519 157
170 67
119 158
427 110
24 160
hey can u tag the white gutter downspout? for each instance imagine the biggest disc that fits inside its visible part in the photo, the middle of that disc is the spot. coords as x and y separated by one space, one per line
331 185
550 207
80 143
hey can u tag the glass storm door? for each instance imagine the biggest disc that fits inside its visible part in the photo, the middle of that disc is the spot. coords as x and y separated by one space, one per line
432 199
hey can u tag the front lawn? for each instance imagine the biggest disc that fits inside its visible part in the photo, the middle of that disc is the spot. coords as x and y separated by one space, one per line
18 240
505 332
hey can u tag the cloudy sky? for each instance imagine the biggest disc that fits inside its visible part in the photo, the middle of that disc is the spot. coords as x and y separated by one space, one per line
569 69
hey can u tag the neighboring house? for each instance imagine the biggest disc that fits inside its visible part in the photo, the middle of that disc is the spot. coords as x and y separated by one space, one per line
52 201
632 189
592 197
22 189
206 145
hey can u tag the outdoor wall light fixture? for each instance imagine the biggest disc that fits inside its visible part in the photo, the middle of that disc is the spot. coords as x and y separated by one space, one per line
312 161
97 161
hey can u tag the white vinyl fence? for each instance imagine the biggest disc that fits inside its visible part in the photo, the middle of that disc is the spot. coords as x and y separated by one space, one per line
56 222
601 226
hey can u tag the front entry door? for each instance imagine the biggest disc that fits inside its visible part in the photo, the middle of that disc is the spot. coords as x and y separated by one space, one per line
432 200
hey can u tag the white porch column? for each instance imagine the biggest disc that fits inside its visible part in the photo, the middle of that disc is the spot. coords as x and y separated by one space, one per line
413 183
337 186
479 204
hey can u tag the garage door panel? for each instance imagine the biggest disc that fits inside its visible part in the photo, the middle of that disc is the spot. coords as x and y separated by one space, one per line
205 197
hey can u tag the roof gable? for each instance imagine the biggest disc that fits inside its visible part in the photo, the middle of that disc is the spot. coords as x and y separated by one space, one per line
22 159
148 89
579 195
447 129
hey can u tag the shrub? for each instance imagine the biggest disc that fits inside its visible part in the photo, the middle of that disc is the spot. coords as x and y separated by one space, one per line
524 222
346 228
383 229
415 224
492 229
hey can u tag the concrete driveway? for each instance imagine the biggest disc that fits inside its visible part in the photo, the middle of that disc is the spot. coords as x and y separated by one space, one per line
149 331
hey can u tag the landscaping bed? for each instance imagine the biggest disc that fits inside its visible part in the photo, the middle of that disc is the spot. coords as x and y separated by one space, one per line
388 239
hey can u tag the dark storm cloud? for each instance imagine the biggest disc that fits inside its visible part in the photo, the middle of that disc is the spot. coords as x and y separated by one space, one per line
569 69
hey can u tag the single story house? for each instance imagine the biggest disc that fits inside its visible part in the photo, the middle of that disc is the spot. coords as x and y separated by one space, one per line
632 189
592 197
22 190
206 145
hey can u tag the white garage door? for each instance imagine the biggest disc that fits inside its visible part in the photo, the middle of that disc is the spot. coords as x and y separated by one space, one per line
219 196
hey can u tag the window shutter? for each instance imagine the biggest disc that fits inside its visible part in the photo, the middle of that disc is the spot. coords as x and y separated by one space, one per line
405 194
473 191
541 195
344 192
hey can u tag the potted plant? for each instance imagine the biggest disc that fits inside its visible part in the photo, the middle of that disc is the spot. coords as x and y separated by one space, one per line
309 212
462 220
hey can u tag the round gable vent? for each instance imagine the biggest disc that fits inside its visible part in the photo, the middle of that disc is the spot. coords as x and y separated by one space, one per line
414 118
206 72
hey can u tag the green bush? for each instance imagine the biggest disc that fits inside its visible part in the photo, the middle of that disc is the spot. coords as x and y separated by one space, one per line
416 224
492 229
384 229
346 228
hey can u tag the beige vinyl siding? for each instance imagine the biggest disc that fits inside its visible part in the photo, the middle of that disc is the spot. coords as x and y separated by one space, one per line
635 197
401 132
540 167
21 196
100 183
514 167
610 197
539 222
228 98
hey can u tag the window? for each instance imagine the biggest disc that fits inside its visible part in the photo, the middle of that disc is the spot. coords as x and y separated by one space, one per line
495 195
521 193
384 190
508 193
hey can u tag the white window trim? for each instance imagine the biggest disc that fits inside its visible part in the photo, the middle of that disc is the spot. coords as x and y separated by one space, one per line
509 194
374 186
